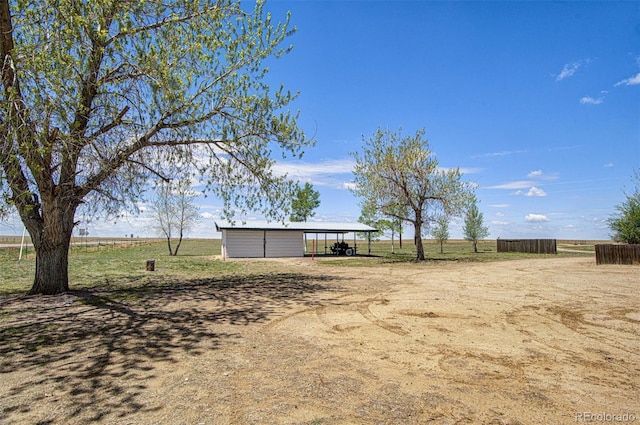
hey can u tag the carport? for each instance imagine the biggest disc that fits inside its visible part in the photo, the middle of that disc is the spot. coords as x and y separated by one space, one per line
262 239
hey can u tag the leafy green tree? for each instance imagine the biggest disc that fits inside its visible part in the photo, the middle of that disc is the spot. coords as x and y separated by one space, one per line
626 223
440 231
175 212
474 229
304 202
399 176
100 96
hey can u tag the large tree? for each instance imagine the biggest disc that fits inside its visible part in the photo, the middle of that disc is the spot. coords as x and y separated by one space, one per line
399 176
174 212
625 224
102 95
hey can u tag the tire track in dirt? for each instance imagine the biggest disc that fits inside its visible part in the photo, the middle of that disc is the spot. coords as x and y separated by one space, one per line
322 314
365 311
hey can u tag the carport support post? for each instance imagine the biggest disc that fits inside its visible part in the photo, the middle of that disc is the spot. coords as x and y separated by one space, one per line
355 245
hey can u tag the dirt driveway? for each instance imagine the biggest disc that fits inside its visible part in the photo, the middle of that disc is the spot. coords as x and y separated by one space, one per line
520 342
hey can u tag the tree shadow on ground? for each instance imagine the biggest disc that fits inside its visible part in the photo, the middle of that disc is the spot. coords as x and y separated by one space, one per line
92 352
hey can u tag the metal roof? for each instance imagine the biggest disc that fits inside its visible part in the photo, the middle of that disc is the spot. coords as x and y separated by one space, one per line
307 227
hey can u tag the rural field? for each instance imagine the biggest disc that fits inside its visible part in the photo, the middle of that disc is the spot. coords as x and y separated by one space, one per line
461 338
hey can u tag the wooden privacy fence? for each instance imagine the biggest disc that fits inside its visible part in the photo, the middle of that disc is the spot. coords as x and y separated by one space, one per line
532 246
617 254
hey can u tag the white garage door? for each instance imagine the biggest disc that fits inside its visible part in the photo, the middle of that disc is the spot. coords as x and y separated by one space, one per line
284 244
245 243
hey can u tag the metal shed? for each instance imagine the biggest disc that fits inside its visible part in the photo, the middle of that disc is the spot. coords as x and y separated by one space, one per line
262 239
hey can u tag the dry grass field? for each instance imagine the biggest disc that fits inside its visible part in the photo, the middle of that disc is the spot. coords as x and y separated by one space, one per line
526 341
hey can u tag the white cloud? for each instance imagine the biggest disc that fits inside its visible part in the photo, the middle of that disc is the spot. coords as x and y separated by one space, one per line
536 218
633 81
330 173
208 216
500 205
588 100
501 153
540 175
534 191
563 148
520 184
349 185
308 170
608 165
500 223
536 175
568 70
465 170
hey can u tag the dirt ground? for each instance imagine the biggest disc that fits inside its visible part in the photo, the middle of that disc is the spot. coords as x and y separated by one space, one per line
519 342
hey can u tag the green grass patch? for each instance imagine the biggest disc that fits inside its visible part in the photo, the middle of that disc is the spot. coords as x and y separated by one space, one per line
120 266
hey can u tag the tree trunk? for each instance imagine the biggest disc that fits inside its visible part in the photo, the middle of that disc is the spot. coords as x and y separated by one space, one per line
393 247
51 236
52 269
418 236
175 252
475 246
169 245
441 247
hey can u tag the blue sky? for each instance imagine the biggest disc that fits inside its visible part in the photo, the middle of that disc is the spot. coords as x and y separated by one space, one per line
537 102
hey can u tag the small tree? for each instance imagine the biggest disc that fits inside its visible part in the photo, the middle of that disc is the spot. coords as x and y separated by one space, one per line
399 176
626 223
370 216
175 212
305 201
440 232
474 230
